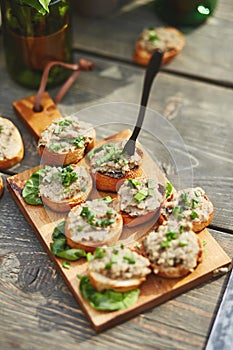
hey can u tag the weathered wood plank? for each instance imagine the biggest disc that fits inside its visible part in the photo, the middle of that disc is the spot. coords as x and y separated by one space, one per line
208 52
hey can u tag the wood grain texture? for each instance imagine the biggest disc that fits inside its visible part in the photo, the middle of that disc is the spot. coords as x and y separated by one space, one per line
154 291
208 52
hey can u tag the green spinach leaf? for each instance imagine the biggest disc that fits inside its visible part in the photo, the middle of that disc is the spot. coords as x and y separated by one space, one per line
59 245
30 192
107 300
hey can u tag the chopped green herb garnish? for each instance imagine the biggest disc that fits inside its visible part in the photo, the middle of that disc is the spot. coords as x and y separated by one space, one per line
122 246
195 203
89 257
193 215
80 228
153 37
168 189
65 122
183 243
88 214
129 258
176 211
108 266
204 243
79 142
68 175
133 183
171 235
107 199
54 147
99 253
1 128
182 229
66 264
184 196
141 195
165 244
197 194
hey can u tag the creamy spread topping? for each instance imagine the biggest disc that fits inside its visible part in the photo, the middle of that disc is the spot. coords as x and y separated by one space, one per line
108 159
158 38
119 263
92 221
140 196
172 245
66 134
190 204
60 183
7 145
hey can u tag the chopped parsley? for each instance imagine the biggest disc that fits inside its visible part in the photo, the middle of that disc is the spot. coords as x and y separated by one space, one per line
168 189
193 215
68 175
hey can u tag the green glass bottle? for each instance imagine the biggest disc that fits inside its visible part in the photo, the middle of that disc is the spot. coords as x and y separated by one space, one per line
185 12
32 39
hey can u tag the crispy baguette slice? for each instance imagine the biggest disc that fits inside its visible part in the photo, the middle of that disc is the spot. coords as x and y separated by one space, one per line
101 282
118 268
66 204
142 56
111 184
70 157
131 221
111 238
1 186
173 260
197 224
13 144
178 270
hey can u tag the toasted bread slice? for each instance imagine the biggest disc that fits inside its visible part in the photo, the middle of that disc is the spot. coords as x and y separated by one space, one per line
191 204
140 200
110 166
174 250
108 183
60 197
117 268
168 39
66 141
11 144
1 186
105 228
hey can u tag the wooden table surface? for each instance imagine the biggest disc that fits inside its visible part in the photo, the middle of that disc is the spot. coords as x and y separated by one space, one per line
194 92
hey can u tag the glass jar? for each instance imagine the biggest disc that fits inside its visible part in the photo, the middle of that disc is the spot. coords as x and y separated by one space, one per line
31 40
185 12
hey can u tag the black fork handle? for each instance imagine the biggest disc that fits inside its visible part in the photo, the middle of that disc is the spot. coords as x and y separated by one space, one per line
151 71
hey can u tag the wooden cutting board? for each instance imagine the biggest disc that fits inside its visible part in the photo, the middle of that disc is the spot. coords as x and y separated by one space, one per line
152 292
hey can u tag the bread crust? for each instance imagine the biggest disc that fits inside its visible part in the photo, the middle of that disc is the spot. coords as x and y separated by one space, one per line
133 221
142 56
17 145
111 238
70 157
1 186
108 183
66 204
101 282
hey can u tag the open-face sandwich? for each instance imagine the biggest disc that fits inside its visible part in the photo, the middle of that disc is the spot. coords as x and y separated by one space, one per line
62 188
11 144
190 204
117 268
168 39
110 166
92 224
174 250
139 200
66 141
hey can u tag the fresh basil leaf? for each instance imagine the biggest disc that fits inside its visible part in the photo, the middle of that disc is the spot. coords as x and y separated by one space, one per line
107 300
72 254
30 192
